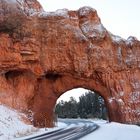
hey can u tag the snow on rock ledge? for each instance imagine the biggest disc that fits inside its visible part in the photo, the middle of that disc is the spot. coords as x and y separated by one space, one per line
85 11
59 12
28 7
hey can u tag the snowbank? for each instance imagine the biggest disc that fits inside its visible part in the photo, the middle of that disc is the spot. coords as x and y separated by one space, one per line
11 125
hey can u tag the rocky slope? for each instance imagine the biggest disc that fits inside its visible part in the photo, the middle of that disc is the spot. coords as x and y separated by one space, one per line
43 54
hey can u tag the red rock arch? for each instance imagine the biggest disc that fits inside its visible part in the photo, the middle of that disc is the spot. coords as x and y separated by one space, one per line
46 54
53 90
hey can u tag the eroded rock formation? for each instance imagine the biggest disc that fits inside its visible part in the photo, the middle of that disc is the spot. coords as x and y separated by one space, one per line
43 55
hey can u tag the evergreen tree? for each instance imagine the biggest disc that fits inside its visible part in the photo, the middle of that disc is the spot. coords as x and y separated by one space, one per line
90 105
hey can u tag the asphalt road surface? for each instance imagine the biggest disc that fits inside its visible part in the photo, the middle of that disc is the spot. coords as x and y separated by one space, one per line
74 130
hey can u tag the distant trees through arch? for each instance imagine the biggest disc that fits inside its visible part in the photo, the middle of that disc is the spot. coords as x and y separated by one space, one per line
90 105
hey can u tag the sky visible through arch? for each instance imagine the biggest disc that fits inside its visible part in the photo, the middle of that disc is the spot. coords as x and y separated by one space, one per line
76 93
120 17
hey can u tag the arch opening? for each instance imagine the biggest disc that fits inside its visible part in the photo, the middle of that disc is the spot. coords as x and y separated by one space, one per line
81 103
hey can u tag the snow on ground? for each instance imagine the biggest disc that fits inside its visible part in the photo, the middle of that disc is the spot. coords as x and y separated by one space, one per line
12 126
114 131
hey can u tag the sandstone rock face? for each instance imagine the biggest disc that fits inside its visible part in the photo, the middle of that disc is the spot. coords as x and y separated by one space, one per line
43 55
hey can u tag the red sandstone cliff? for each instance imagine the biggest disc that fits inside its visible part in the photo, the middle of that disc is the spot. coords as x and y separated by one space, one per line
43 54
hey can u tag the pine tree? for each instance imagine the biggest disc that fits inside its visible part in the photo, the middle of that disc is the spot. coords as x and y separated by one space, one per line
90 105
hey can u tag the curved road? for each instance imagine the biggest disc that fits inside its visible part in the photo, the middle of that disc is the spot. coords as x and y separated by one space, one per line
75 129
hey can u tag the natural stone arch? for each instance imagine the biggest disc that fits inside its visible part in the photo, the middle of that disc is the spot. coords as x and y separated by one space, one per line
52 90
50 53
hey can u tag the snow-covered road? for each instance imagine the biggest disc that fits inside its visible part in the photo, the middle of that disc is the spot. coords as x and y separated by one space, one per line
74 129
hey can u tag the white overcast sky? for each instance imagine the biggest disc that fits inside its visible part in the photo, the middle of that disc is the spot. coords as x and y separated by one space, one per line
121 17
